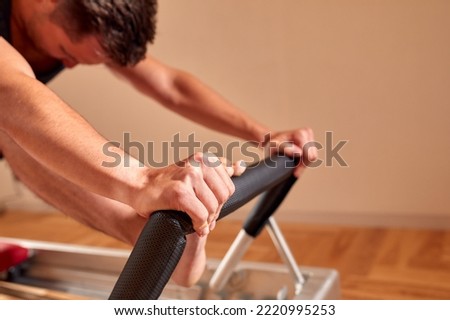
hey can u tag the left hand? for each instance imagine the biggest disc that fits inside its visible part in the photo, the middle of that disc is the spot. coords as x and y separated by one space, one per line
193 261
294 143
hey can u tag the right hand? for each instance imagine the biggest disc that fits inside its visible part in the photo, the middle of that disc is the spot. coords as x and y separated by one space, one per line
198 185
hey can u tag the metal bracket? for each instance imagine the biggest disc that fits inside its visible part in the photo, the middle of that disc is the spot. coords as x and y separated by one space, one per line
240 246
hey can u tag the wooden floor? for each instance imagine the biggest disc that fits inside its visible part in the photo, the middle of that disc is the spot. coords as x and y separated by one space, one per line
373 263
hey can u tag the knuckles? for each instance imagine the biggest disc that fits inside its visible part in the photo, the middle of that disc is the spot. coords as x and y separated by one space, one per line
223 195
187 185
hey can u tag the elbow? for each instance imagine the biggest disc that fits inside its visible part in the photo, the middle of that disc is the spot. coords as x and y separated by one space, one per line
188 276
178 89
192 263
187 281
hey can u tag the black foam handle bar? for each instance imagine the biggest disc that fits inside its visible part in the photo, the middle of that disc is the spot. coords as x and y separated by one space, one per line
162 241
266 206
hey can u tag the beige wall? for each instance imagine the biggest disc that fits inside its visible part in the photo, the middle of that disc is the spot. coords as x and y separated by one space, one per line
376 73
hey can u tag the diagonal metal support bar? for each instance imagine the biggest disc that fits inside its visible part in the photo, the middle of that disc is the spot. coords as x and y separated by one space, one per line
240 246
286 254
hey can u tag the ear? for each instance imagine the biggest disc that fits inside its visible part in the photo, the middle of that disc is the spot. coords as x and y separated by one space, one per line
48 6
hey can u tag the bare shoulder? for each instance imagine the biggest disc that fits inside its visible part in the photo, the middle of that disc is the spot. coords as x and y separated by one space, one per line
11 60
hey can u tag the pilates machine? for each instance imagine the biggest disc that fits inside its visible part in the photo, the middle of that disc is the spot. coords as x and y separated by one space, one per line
42 270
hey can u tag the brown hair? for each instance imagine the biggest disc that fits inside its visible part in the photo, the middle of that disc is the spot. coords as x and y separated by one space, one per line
125 27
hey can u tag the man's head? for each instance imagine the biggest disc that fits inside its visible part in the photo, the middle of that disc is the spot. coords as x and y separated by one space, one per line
124 27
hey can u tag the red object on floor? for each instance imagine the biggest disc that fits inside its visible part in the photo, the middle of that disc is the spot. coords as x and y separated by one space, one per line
11 255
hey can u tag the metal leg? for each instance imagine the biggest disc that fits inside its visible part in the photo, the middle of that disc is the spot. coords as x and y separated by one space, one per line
285 253
230 261
239 247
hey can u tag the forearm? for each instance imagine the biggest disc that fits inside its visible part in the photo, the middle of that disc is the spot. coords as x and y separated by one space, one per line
186 95
196 101
60 139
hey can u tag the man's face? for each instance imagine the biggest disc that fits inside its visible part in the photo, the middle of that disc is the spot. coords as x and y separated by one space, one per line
51 39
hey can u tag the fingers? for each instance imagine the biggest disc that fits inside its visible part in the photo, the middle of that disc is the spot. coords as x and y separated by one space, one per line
239 168
187 201
304 138
234 169
231 169
295 143
199 186
212 186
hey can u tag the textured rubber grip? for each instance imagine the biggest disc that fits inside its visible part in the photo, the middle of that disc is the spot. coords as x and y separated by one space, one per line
162 241
258 178
268 203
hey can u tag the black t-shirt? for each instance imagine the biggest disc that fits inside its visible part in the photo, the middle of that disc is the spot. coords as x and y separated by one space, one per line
5 32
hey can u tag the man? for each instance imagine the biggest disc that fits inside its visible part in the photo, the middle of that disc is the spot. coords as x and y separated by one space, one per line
58 155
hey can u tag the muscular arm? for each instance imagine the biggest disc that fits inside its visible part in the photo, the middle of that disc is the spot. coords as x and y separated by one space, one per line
59 139
189 97
55 135
186 95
